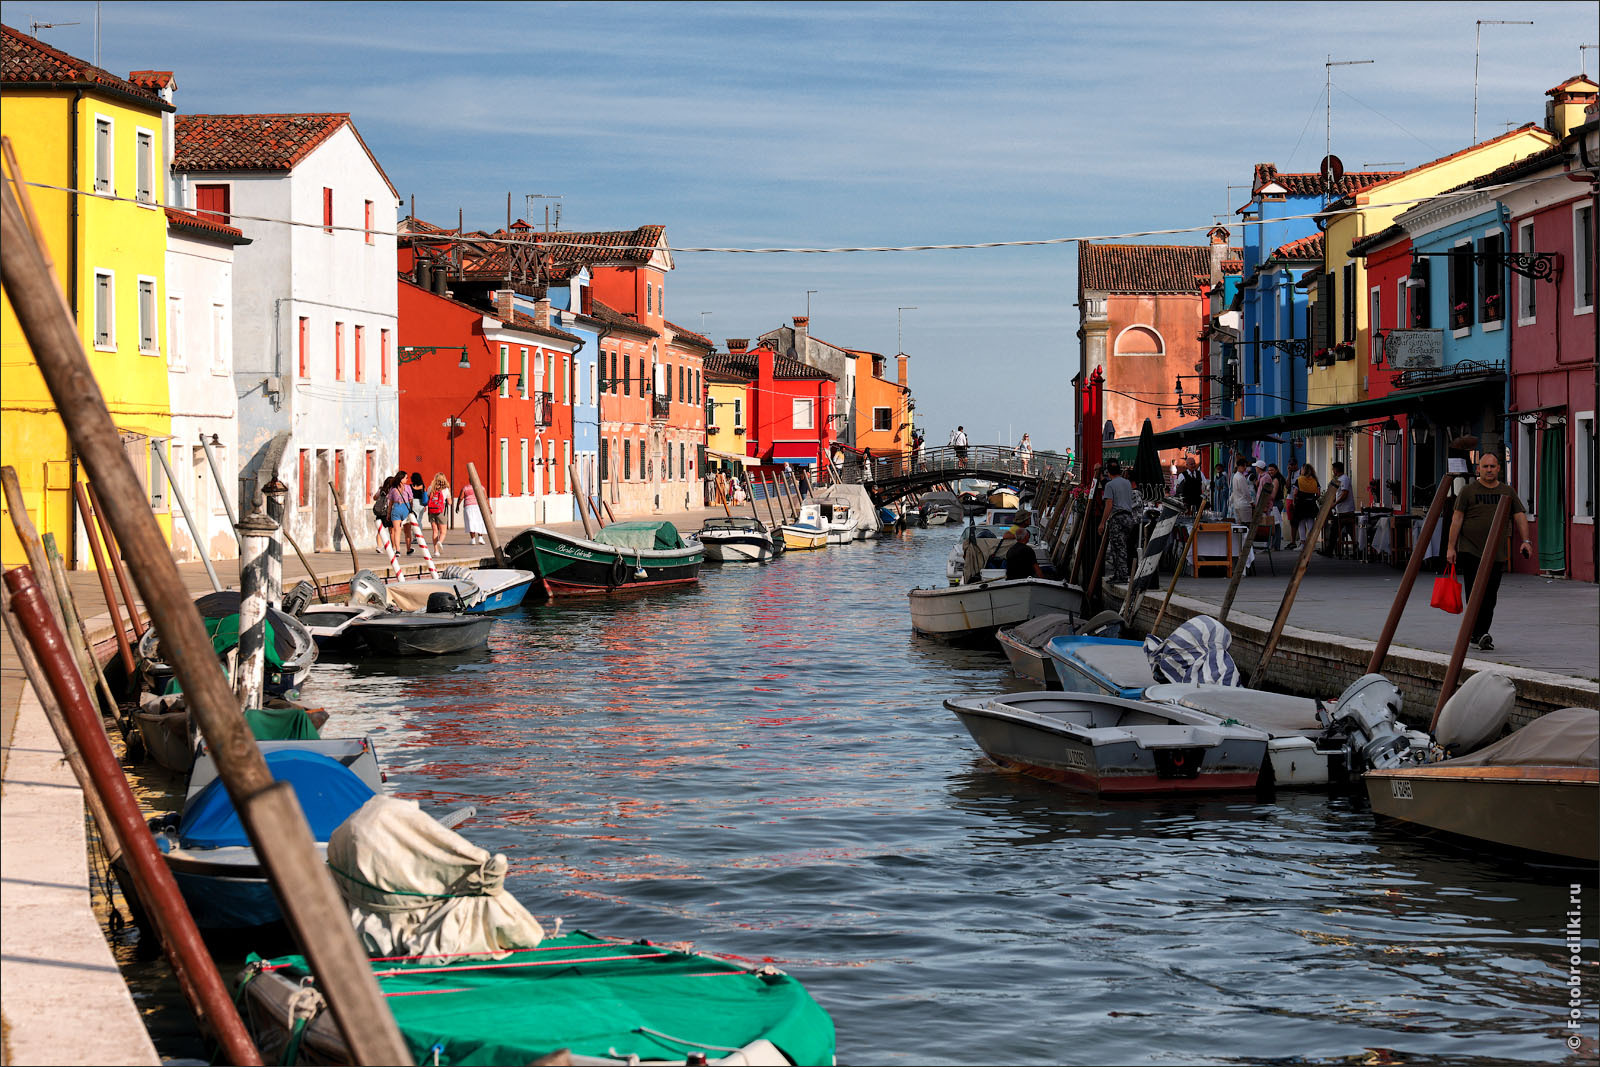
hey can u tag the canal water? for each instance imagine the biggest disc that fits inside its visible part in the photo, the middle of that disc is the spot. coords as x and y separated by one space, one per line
763 766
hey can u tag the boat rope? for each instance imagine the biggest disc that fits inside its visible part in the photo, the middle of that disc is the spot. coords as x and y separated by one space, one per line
347 876
521 963
681 1040
301 1009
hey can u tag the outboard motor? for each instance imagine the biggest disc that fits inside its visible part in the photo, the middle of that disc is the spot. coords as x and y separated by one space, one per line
443 603
367 588
1367 717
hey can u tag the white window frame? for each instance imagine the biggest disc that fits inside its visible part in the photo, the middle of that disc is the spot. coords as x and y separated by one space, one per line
1465 244
221 340
1527 291
154 307
1374 322
1116 346
1402 312
1580 267
523 377
110 342
177 351
890 419
809 407
505 380
550 462
1583 460
1491 325
145 166
566 460
1527 482
105 177
505 464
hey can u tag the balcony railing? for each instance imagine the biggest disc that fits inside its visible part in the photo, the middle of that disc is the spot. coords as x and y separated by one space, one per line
660 406
544 409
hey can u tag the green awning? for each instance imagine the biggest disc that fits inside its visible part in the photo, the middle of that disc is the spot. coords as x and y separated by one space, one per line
1334 415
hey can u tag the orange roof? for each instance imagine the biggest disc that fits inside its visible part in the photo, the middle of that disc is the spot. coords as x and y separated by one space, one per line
258 142
27 61
188 220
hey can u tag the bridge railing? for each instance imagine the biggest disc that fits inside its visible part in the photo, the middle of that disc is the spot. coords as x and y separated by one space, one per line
972 461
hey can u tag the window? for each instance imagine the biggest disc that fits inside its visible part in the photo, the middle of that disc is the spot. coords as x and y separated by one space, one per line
158 475
105 310
1461 285
221 340
1139 341
103 145
175 348
327 210
523 377
627 372
882 418
304 348
366 219
505 464
803 413
613 372
593 380
145 163
738 412
369 470
338 351
1348 334
1491 281
1527 288
627 460
361 353
524 466
303 493
649 299
1401 319
682 472
605 459
568 379
1583 467
214 202
383 356
1583 258
505 378
1375 324
1527 465
1422 297
550 462
643 471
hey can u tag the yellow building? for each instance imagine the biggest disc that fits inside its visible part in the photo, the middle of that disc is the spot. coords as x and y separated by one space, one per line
1338 302
74 125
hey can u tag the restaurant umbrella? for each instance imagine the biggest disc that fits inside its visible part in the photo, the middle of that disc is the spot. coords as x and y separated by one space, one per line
1147 472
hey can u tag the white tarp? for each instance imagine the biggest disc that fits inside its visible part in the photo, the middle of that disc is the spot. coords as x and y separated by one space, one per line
417 888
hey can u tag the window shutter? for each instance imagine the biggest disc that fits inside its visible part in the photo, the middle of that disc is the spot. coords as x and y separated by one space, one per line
1422 298
1348 334
102 309
1322 330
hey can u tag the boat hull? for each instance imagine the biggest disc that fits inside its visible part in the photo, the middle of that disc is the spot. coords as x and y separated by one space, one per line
749 548
977 610
802 540
1543 811
1027 661
504 597
572 566
432 635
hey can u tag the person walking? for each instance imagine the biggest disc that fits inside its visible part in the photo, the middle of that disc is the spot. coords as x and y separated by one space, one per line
958 441
438 508
866 466
419 511
1344 510
398 499
1116 522
1025 453
471 515
1306 491
1469 532
1242 494
1280 497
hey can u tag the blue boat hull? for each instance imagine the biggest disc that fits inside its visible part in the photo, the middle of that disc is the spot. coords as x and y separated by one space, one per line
504 600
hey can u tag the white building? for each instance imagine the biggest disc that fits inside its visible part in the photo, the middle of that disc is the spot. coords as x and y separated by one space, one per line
314 318
200 253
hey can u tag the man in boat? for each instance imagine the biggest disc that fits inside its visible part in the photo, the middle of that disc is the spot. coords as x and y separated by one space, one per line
1469 530
1021 561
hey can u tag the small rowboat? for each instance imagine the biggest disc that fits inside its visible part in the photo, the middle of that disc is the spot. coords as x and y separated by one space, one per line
622 557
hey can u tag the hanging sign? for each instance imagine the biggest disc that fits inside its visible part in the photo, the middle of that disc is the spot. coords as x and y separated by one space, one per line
1414 349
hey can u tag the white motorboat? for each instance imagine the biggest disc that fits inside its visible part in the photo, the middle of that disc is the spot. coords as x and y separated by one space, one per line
843 525
808 531
976 610
736 539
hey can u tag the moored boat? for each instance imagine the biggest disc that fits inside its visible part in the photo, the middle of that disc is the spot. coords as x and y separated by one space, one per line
976 610
1110 746
622 557
290 650
1025 643
808 531
1106 665
736 539
499 589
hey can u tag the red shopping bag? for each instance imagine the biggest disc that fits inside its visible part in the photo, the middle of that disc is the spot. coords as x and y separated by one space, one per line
1447 592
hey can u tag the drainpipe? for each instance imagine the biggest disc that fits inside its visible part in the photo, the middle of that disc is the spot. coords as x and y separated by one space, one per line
72 295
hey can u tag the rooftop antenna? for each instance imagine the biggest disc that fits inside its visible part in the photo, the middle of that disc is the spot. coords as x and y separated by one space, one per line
899 345
531 197
35 27
1583 60
809 293
1391 163
1327 92
97 33
1477 45
703 315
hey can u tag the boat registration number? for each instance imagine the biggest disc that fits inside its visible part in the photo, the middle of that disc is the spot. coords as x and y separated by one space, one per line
1077 759
1401 788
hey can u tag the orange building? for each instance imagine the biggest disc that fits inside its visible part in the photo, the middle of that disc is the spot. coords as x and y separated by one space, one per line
883 406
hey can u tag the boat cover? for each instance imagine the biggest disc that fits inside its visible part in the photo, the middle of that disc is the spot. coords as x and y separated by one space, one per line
418 888
328 792
644 535
1566 738
413 596
220 612
281 724
1197 651
624 1001
1038 632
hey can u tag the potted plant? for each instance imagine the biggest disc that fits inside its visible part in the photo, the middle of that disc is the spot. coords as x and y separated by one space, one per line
1322 357
1491 308
1458 316
1344 351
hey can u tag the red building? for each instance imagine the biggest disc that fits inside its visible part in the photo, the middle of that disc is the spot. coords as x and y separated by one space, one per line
471 391
789 405
1388 258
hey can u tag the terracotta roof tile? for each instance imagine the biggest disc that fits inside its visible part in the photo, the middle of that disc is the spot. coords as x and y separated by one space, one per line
27 60
527 253
681 333
1146 268
250 142
1345 201
523 321
188 220
152 79
612 317
747 366
1377 240
728 369
1311 184
1309 247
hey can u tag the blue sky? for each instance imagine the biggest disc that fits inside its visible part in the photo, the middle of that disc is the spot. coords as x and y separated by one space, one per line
799 125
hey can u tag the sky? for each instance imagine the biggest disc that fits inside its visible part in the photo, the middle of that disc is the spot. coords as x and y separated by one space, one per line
820 126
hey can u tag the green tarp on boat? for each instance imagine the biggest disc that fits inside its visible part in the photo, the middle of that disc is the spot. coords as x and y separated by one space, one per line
645 535
281 724
597 997
224 634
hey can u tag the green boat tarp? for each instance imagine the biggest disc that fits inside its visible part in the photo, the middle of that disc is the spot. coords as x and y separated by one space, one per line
597 997
645 535
224 634
281 724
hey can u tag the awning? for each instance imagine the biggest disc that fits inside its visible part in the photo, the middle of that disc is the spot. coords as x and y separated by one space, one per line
733 457
794 451
804 461
1334 415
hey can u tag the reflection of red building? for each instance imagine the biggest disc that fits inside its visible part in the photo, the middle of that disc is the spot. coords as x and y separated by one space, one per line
492 407
790 405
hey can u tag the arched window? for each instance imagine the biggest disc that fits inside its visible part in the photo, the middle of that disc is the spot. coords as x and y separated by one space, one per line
1140 341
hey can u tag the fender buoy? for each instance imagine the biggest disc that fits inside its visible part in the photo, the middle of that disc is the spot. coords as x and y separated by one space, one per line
619 572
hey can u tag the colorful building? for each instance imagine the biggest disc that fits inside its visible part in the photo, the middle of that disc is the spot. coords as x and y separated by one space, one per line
74 125
785 423
796 342
883 407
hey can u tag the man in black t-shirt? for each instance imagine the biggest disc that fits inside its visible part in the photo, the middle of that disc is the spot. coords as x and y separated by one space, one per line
1469 530
1020 560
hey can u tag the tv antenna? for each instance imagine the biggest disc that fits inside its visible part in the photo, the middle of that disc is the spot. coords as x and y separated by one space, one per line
1477 46
1583 60
531 197
35 27
1327 92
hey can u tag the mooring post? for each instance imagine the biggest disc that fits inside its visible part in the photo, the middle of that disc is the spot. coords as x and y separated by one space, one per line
255 559
1402 595
277 498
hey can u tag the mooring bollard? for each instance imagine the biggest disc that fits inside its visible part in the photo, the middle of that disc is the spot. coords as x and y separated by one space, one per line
256 536
277 497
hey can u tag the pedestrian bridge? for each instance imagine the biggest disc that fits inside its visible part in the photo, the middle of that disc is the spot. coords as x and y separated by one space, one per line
890 477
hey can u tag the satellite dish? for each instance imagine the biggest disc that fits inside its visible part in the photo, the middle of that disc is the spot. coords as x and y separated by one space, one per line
1332 170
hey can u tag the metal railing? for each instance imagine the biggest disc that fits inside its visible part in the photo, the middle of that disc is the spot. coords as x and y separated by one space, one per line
973 461
544 409
660 406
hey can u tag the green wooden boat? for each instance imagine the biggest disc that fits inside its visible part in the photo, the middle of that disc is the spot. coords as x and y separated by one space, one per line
622 557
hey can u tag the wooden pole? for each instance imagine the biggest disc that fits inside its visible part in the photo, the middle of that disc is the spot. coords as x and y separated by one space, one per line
114 551
314 911
583 514
488 515
188 517
344 529
1171 586
792 505
1402 596
315 582
1258 678
74 626
1244 552
754 514
191 962
1469 617
22 522
103 572
1093 584
1086 522
768 492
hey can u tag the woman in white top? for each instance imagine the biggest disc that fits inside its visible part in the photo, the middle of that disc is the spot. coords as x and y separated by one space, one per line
472 515
1025 452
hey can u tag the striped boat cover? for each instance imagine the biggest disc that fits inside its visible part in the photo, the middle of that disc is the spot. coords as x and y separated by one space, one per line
1196 651
1150 561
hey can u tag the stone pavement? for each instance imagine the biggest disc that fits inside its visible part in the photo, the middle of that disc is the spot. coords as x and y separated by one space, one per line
1546 624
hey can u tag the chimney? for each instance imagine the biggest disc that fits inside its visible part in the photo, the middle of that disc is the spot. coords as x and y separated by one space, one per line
1564 111
737 346
900 362
802 330
503 308
541 311
1219 251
